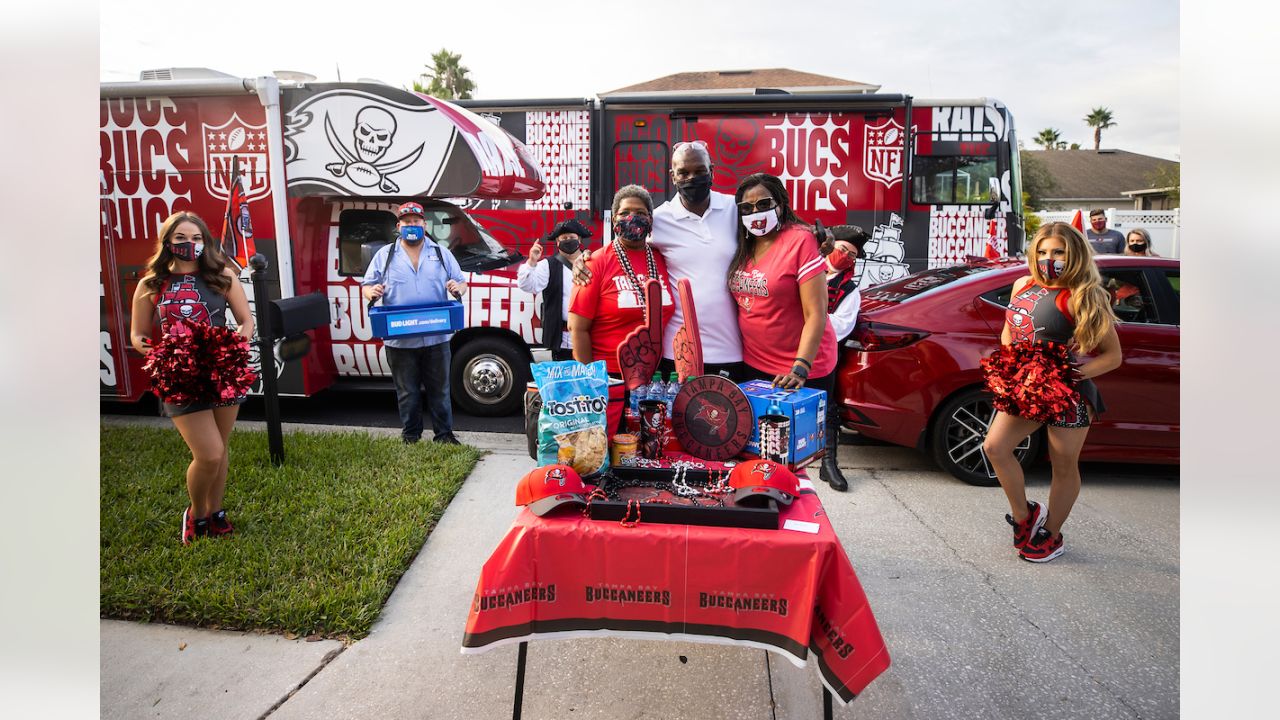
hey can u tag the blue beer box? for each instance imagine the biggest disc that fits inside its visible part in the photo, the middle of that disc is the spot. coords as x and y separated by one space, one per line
807 409
397 321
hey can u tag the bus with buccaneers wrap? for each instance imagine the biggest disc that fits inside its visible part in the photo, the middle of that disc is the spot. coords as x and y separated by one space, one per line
322 166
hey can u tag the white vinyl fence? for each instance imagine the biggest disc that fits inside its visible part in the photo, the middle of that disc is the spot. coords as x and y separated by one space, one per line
1162 224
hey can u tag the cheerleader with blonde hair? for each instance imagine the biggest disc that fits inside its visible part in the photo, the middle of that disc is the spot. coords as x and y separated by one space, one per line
1061 305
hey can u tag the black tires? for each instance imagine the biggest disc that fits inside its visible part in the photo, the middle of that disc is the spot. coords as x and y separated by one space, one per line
957 433
488 377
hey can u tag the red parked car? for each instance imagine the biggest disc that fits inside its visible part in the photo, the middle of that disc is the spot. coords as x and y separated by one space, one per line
909 372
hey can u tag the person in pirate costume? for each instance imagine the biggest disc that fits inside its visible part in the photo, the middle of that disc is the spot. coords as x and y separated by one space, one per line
552 276
844 300
188 280
1062 303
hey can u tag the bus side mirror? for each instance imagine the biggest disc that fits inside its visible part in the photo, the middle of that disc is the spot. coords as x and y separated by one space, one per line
994 208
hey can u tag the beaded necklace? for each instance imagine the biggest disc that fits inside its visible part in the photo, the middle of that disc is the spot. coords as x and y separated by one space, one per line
631 273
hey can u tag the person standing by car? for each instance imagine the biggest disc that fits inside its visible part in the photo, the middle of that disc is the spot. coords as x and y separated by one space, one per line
554 280
1061 302
189 280
1102 240
1138 242
414 270
779 282
844 300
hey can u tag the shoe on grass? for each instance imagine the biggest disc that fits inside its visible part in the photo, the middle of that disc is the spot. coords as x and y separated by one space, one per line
1042 547
193 528
219 525
1025 530
447 439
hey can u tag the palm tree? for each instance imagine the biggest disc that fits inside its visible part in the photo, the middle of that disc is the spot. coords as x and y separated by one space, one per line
1100 119
447 78
1049 138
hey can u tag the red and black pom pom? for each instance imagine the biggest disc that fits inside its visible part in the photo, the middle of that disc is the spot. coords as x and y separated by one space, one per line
195 362
1032 380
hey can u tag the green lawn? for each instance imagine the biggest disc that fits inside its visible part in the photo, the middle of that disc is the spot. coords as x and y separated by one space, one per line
319 543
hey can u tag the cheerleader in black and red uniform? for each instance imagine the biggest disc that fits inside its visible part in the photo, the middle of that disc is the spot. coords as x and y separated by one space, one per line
1063 303
188 279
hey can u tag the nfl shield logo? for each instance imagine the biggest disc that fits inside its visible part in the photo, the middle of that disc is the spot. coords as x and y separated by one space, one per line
232 139
882 152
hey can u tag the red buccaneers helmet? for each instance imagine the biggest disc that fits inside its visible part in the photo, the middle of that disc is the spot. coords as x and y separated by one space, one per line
755 481
545 488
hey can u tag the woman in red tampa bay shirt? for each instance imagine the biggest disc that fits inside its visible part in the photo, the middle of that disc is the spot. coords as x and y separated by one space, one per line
779 281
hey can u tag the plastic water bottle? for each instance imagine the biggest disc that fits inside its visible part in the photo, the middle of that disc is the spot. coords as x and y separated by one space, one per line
673 389
640 393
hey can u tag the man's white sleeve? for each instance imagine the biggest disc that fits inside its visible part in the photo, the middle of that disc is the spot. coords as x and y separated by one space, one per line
533 280
846 315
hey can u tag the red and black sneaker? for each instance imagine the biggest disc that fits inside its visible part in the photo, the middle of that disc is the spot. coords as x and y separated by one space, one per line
1023 531
1042 547
219 525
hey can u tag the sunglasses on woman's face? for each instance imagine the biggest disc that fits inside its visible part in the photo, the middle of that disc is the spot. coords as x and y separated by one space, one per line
746 208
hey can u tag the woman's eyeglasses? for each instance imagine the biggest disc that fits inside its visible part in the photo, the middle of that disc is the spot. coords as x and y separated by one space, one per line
746 208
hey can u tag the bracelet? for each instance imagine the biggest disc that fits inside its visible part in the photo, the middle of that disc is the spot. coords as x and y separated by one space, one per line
808 365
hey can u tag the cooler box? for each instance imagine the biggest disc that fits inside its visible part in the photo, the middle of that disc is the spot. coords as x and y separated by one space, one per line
807 409
397 321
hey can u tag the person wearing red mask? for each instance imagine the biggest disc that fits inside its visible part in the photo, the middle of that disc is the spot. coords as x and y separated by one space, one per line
844 300
1102 240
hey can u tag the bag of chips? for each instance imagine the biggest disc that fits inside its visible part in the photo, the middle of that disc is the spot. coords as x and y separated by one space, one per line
572 422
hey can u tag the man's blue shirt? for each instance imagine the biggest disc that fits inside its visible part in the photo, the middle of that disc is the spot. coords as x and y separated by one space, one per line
407 286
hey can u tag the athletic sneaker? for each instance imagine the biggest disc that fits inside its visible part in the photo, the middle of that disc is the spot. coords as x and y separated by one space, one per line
191 528
219 525
1042 547
1023 531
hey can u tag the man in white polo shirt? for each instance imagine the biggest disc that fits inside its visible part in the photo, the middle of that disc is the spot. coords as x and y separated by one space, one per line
697 233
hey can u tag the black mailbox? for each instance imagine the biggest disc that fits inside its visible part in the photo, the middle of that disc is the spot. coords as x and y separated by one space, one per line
296 315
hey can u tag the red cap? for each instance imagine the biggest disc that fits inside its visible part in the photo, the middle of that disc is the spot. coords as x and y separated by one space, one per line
546 488
763 479
410 208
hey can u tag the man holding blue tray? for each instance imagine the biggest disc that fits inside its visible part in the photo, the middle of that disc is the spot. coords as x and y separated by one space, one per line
411 271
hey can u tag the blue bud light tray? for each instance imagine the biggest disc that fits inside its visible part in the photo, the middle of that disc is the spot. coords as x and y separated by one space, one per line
397 321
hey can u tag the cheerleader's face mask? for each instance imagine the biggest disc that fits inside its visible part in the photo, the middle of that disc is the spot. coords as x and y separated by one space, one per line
1051 257
186 242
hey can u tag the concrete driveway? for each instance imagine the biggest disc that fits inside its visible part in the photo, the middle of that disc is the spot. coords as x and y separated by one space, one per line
974 632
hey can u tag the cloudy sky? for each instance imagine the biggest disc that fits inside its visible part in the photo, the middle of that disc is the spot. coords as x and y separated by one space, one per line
1051 62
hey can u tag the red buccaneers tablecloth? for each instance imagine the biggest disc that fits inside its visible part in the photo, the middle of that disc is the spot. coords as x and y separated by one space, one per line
790 590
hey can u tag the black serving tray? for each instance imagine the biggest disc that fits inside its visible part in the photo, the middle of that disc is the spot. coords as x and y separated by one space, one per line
680 511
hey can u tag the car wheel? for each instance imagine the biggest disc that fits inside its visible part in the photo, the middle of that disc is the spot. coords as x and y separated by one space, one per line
959 429
488 377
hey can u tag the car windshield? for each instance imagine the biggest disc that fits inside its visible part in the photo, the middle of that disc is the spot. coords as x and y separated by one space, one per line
921 284
473 247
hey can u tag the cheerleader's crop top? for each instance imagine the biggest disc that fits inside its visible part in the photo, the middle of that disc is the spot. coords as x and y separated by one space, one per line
1040 313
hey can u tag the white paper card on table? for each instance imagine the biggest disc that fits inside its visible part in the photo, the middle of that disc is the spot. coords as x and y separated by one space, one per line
806 484
800 526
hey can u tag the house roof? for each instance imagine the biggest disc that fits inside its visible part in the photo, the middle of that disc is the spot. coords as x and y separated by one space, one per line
739 81
1098 174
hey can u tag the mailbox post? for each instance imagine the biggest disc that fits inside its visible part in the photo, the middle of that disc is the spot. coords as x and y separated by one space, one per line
267 357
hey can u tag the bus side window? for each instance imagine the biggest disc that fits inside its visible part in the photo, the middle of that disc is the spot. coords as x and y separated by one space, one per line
360 234
952 179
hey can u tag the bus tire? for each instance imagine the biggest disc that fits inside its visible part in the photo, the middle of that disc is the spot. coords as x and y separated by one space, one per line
487 377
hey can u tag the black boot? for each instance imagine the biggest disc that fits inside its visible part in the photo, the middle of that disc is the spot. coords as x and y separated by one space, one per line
830 471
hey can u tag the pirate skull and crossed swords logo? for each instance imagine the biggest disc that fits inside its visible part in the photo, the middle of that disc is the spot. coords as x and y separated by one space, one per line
373 134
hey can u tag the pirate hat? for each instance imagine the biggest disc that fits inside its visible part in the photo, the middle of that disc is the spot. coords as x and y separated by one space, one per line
756 480
569 226
546 488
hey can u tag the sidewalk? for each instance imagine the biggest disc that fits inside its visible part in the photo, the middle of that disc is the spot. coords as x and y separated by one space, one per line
964 620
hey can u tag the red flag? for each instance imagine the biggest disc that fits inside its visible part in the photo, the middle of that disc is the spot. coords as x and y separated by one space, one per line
990 252
237 229
1077 222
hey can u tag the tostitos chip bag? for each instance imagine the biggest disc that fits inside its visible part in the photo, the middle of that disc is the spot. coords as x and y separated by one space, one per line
571 426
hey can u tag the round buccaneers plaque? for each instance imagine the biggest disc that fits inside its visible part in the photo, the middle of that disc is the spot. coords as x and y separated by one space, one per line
712 418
